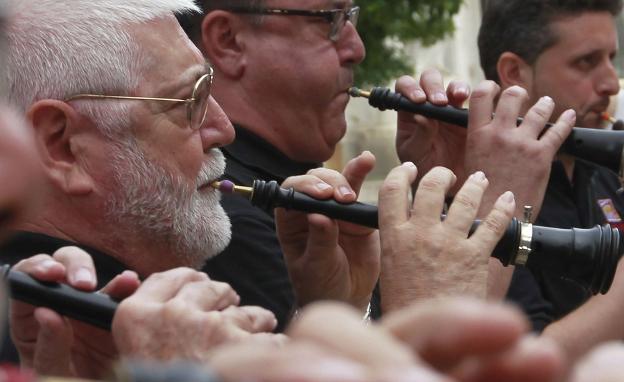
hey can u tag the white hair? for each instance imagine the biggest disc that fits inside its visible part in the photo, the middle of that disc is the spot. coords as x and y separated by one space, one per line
59 48
147 200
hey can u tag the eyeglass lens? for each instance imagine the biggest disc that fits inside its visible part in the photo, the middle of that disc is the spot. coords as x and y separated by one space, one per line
199 108
340 19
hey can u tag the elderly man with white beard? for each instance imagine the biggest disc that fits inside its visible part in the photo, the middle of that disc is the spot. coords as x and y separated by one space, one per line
124 178
124 175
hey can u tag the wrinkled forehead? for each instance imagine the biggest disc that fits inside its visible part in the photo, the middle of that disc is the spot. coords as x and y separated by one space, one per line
167 55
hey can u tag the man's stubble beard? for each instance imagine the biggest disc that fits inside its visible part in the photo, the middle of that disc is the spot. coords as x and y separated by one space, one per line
150 201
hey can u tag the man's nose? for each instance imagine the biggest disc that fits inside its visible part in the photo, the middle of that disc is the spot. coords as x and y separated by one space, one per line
217 130
609 83
350 47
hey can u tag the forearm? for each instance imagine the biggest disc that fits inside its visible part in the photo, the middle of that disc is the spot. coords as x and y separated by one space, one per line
597 321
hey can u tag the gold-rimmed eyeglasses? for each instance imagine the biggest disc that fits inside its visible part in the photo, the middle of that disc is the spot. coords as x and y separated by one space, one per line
336 17
196 106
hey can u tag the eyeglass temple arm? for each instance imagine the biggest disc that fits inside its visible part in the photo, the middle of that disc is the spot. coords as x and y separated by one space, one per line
98 96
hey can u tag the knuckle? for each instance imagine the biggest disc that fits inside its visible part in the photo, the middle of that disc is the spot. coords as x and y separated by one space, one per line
222 289
437 178
246 316
290 181
516 92
495 223
174 308
391 186
71 253
556 141
466 202
190 274
31 261
180 275
485 89
431 184
541 113
403 82
129 312
214 319
323 172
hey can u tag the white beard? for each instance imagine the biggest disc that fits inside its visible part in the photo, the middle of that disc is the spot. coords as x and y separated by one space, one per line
150 201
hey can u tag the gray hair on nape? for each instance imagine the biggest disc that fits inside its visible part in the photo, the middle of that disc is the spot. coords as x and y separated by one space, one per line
61 48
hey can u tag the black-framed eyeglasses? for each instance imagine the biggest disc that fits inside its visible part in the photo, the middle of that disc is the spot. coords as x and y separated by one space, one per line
196 106
336 17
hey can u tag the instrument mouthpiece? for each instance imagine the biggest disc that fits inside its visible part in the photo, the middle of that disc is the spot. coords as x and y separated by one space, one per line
356 92
226 186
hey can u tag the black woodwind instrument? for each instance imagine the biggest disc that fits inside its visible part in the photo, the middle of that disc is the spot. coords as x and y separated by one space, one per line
574 252
603 147
92 308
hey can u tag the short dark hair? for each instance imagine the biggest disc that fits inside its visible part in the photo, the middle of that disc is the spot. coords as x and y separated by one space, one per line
523 27
191 22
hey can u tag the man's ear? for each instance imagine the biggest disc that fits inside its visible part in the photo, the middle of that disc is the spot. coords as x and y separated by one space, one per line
513 70
223 42
57 128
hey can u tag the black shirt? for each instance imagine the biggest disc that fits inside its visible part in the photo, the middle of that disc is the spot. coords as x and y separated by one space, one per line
253 263
591 200
524 291
23 245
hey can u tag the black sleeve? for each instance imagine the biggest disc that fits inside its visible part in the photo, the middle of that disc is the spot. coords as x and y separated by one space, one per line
524 291
253 263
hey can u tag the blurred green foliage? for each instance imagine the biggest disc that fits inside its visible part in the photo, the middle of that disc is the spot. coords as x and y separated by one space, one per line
383 23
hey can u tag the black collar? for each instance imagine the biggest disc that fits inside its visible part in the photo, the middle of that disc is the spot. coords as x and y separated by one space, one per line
254 152
23 245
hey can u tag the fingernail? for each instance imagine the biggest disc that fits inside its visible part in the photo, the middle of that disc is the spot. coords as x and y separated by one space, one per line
323 186
345 191
408 164
47 264
478 176
439 97
547 99
83 275
508 197
463 90
569 115
418 94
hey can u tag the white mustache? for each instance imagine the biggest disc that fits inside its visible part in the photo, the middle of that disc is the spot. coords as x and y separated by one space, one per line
212 168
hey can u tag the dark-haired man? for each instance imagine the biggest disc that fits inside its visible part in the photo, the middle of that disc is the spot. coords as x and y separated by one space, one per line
562 50
565 49
289 115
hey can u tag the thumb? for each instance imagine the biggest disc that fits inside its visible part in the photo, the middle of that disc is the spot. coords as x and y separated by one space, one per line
54 342
122 286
